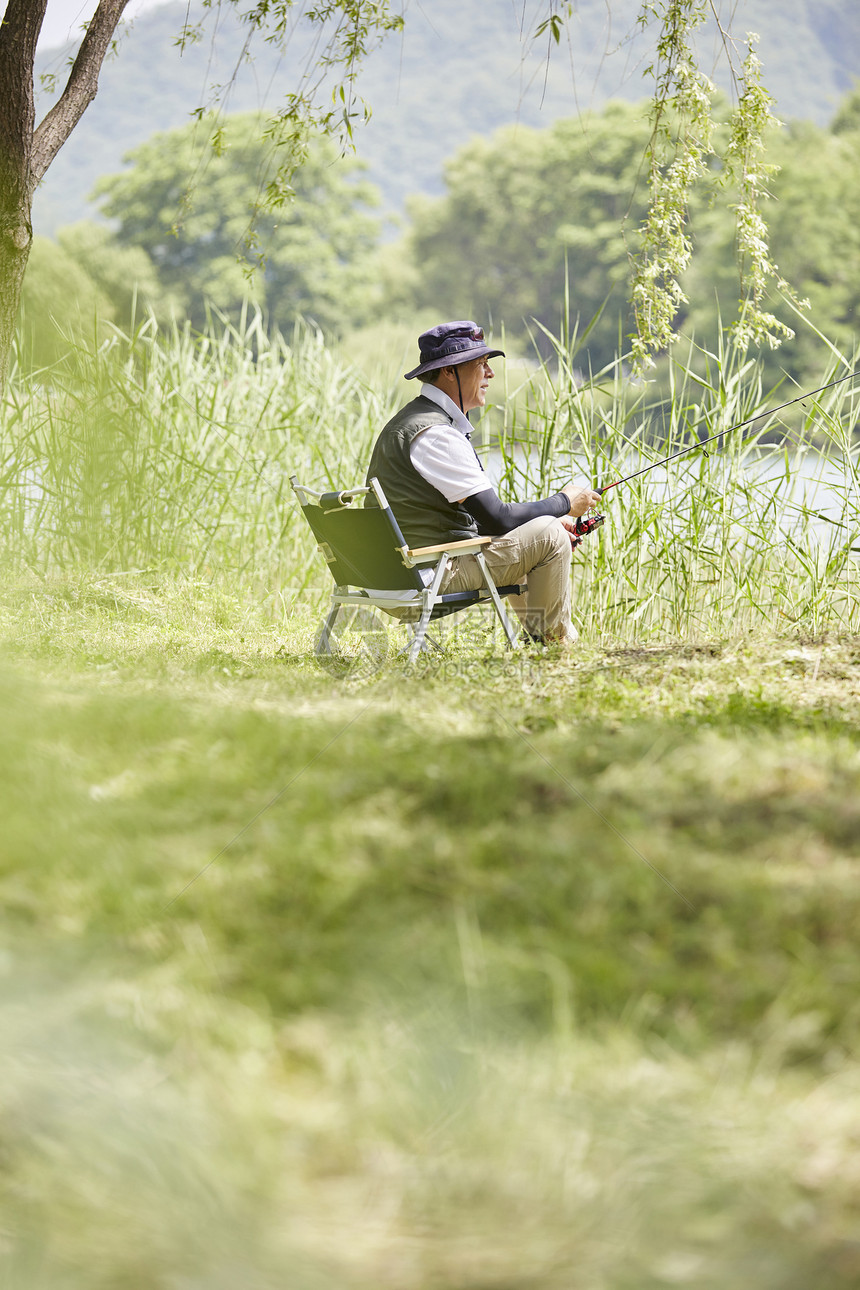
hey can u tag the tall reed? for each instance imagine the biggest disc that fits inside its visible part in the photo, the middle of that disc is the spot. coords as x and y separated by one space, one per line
758 530
174 450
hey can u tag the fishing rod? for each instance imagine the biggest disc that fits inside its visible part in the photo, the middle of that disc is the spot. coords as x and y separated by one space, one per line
701 444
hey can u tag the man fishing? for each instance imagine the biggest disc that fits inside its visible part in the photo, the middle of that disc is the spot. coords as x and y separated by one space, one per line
439 491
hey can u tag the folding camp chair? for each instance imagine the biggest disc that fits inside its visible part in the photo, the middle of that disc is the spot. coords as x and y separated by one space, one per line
373 567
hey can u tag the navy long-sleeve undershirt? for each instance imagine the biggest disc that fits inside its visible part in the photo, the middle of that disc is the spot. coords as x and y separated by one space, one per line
495 517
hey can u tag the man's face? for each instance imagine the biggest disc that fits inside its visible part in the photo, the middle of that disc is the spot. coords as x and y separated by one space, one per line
475 377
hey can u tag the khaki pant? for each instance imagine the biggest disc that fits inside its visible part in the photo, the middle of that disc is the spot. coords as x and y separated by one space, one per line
537 554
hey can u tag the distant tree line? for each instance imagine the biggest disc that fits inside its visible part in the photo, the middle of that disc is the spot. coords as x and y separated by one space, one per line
533 219
187 226
533 224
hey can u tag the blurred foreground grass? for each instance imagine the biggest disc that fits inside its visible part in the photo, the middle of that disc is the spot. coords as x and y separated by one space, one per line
517 972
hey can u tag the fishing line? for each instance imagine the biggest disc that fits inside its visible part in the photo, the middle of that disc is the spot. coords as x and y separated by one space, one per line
695 447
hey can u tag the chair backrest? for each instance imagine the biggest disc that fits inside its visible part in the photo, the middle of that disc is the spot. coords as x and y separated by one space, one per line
362 545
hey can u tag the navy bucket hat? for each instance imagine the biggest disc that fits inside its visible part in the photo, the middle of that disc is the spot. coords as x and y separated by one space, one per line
451 343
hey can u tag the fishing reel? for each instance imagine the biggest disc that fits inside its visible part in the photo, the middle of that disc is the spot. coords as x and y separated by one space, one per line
585 524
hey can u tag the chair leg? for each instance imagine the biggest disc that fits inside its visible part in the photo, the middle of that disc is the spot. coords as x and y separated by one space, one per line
497 601
323 645
429 642
429 599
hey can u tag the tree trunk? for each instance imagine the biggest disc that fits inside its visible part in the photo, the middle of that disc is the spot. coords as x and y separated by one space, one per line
19 32
16 235
15 238
26 153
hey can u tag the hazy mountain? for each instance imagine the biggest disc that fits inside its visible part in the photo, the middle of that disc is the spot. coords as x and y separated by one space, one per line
461 67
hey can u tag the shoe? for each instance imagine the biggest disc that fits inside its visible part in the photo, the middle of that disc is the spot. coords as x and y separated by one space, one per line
550 642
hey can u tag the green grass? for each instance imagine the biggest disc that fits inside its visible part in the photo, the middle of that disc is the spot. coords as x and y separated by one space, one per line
375 981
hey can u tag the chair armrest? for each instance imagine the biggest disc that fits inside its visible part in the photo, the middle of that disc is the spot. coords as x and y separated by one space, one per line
310 496
427 554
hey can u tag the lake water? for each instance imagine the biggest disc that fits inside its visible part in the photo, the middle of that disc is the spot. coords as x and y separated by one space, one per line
803 481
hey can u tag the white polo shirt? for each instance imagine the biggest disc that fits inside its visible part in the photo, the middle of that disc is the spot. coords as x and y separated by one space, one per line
444 456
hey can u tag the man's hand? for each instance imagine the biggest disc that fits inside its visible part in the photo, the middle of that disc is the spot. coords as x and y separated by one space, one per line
581 499
570 524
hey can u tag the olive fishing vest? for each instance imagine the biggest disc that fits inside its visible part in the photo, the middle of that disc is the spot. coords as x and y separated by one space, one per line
424 516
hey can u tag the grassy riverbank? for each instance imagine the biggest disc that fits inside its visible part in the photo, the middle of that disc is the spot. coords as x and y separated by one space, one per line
503 971
521 971
172 452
